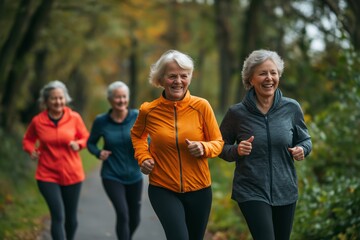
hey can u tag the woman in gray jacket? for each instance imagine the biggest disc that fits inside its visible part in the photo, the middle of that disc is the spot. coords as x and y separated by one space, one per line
264 134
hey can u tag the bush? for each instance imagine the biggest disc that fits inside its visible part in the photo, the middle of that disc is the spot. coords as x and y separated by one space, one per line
21 206
329 211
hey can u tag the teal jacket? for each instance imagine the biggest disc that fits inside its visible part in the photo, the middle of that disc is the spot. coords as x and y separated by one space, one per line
121 165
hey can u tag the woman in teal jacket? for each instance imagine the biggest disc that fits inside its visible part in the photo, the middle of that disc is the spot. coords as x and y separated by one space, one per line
120 172
269 133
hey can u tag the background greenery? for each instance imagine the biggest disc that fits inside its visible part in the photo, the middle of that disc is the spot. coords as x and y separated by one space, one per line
88 44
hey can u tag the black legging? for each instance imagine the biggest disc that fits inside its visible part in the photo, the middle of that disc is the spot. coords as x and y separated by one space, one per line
268 222
126 200
184 216
62 202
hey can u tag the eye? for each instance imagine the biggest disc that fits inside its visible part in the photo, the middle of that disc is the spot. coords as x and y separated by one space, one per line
184 76
172 76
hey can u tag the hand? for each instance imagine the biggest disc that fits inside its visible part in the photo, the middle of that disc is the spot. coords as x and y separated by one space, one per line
196 149
244 148
147 166
35 155
74 145
297 153
104 154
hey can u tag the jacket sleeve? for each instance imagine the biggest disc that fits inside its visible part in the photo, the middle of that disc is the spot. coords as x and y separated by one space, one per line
214 142
139 137
94 137
82 133
229 152
30 138
302 137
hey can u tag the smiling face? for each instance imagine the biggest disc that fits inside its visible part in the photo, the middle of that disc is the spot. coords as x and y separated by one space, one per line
265 79
175 81
56 101
119 99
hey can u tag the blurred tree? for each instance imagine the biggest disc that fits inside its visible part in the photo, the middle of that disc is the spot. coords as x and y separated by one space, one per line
348 15
17 64
223 12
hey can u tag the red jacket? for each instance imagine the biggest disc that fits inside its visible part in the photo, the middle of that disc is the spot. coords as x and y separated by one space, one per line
57 162
168 124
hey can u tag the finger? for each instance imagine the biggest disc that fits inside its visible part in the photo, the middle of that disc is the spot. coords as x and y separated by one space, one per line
188 142
250 139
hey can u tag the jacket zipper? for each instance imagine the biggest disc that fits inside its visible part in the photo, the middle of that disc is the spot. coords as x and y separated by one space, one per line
269 157
178 150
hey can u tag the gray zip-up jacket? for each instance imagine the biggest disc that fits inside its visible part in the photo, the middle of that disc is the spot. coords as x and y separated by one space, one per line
268 174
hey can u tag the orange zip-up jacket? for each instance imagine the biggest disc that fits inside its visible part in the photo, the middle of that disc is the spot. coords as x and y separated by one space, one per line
57 163
168 124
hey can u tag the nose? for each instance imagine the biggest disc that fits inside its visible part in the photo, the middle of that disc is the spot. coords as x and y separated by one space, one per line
177 78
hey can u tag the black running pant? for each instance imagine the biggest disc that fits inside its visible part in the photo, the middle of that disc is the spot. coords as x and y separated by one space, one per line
268 222
184 216
62 202
126 200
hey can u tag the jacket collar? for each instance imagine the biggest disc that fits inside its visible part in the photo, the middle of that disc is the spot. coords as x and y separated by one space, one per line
44 116
179 104
126 119
250 101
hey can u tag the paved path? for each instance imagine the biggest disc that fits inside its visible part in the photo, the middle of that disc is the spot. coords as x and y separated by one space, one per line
97 218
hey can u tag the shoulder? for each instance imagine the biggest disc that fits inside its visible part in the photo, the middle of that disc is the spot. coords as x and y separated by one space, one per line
133 113
149 106
38 117
71 112
71 115
290 103
236 106
199 102
101 117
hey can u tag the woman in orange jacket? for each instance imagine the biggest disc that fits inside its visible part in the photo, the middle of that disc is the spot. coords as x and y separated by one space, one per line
183 134
54 138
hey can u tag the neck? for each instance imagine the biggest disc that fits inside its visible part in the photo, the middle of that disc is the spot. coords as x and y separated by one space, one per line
118 116
55 115
264 104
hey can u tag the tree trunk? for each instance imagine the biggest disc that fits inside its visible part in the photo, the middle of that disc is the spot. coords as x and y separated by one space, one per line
225 58
250 37
11 44
32 106
133 72
13 81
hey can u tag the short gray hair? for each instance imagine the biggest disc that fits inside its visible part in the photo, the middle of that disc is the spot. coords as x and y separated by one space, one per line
116 85
45 92
157 70
256 58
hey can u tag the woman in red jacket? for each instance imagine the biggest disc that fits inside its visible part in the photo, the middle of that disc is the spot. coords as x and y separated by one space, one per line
54 138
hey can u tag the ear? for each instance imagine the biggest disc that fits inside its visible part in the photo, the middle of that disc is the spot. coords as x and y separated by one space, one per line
161 82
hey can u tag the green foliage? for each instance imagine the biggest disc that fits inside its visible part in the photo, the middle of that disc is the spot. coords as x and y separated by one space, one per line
335 130
329 182
329 211
21 206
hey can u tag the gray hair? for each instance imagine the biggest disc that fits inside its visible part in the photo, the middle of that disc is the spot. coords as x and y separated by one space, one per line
45 92
256 58
116 85
157 70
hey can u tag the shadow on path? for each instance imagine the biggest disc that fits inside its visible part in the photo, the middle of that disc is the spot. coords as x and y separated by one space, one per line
96 215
